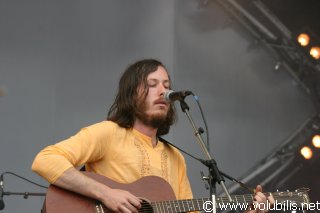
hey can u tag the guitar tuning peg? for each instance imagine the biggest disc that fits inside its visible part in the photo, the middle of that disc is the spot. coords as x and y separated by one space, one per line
288 190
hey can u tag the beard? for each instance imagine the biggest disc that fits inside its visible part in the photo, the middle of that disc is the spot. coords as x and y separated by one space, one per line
154 120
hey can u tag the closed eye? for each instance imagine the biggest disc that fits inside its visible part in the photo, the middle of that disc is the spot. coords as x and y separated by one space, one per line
154 83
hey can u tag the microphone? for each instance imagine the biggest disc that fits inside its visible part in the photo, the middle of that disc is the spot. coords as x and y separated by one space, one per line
1 192
171 95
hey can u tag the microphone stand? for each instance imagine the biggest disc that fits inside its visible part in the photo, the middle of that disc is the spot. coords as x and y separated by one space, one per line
214 174
25 194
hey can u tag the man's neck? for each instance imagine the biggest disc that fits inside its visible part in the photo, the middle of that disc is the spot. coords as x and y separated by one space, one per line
146 130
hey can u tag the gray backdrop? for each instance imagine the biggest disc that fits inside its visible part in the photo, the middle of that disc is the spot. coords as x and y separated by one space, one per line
60 62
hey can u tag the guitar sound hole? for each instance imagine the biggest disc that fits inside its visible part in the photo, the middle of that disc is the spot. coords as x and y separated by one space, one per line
146 207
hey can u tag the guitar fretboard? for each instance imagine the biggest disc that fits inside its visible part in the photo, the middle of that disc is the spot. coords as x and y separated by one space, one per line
198 204
241 202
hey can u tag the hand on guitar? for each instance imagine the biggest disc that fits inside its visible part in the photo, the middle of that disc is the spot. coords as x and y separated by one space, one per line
119 200
115 199
261 202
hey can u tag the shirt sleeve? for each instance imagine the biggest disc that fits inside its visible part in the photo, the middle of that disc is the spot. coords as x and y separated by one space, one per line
85 146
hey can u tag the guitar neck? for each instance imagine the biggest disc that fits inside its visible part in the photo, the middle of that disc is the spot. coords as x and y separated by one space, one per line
198 204
241 202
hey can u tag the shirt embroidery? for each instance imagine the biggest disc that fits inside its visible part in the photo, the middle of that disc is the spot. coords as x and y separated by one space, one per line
164 165
144 160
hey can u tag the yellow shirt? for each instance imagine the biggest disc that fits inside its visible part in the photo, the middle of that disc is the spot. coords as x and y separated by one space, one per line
123 155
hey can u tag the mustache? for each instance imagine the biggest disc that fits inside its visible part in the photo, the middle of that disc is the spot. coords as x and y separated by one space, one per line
161 101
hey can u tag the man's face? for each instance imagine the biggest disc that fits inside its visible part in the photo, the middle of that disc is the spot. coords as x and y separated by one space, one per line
153 109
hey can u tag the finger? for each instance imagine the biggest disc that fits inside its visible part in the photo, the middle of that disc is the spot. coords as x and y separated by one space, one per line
128 207
260 195
260 206
124 209
255 204
258 199
271 199
135 201
258 188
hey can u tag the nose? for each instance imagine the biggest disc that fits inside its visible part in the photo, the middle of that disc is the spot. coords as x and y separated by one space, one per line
161 90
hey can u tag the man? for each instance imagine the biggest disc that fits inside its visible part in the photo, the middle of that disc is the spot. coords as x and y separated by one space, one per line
124 148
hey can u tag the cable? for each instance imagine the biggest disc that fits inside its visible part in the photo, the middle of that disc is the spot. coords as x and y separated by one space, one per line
11 173
204 120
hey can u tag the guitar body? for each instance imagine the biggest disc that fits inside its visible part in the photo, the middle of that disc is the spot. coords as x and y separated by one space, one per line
151 188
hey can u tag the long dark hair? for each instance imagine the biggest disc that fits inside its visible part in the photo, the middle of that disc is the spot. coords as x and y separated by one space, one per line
123 109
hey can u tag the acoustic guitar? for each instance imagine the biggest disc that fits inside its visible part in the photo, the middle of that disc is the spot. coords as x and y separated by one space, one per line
157 196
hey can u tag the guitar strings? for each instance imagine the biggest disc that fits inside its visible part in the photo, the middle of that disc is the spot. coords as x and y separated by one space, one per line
163 205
